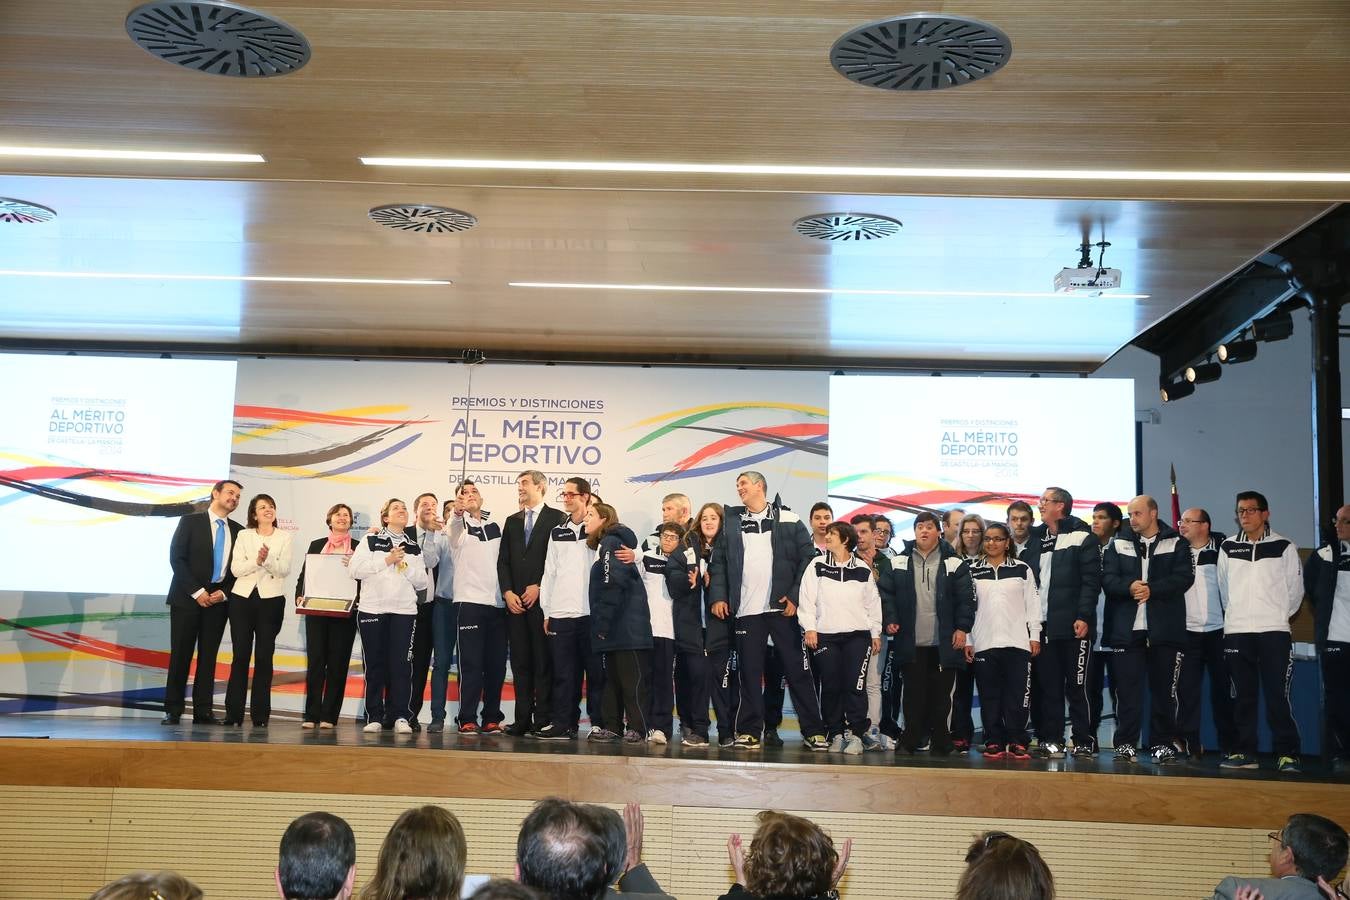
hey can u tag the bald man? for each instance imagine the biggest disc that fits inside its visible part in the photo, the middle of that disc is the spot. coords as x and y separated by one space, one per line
1145 576
1326 577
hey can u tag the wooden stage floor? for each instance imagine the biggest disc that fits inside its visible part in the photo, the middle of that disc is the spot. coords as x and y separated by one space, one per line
64 751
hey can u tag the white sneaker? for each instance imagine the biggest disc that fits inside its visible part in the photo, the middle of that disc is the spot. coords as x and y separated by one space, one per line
656 736
853 744
373 728
887 742
402 726
837 744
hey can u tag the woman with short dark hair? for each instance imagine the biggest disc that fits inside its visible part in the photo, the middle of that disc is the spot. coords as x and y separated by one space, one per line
260 562
1003 867
328 638
149 886
789 858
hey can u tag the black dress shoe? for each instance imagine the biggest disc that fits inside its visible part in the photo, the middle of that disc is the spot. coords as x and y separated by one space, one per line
257 724
170 719
208 720
416 725
230 723
771 738
517 729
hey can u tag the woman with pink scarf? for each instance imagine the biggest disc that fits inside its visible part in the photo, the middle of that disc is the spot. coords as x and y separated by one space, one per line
328 639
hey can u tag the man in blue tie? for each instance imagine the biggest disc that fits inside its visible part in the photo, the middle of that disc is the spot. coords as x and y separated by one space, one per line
200 557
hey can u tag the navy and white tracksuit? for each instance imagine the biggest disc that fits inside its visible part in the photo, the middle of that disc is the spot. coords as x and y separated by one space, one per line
1262 588
565 600
1007 620
1204 654
475 544
1326 576
842 605
660 605
387 621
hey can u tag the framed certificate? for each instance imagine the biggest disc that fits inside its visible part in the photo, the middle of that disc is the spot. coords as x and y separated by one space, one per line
330 590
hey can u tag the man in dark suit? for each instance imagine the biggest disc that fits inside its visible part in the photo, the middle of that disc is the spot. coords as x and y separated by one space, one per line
520 569
200 557
1307 849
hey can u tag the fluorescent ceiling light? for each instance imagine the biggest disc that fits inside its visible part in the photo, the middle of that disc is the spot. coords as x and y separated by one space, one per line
283 279
150 155
855 171
717 289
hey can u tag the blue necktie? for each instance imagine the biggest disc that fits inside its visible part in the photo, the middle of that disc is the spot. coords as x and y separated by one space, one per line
218 550
529 524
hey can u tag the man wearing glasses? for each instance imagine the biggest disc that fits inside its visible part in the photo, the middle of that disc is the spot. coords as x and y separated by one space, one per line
1326 576
1204 642
1304 856
1261 587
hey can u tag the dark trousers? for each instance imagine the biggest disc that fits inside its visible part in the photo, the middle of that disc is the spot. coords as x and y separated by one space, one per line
254 623
199 629
752 645
1162 666
627 690
1262 662
1336 697
328 655
841 659
1128 667
1061 674
660 708
1004 677
444 636
963 699
696 670
569 644
927 701
1096 689
531 667
724 677
775 691
387 641
890 691
421 659
1204 653
482 661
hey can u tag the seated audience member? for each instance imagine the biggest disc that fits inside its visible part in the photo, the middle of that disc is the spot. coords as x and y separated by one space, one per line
575 851
149 886
422 857
789 857
317 859
1002 867
503 889
1307 849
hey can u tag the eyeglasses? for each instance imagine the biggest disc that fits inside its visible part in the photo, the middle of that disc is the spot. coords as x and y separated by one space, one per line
1191 521
1248 510
995 537
568 495
1278 836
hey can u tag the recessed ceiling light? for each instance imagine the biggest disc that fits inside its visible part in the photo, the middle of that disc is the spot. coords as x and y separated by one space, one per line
22 212
149 155
536 165
283 279
856 292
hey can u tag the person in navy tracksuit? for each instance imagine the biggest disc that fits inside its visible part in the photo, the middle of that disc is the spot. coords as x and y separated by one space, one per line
621 629
702 640
1326 578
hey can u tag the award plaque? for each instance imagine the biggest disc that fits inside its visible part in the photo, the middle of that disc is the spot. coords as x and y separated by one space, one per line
330 590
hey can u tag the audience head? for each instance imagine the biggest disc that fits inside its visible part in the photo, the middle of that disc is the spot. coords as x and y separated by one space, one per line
600 518
1308 845
502 889
821 515
675 508
1002 867
789 857
927 530
422 856
149 886
570 851
339 518
260 502
317 859
752 489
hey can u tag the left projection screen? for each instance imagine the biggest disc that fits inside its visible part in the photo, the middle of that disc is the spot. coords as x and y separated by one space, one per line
99 458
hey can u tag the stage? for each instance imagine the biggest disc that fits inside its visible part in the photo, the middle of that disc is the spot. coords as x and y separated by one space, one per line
95 797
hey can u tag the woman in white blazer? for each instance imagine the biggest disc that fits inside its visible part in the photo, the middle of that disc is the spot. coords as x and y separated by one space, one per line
260 563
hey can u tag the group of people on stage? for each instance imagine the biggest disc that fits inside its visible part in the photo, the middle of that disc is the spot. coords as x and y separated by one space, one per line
726 609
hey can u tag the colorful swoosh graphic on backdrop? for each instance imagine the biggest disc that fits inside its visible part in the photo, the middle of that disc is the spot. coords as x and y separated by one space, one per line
934 500
810 437
262 423
44 481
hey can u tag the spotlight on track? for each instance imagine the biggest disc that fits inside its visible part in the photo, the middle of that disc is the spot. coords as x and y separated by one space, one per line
1203 373
1175 390
1238 351
1273 327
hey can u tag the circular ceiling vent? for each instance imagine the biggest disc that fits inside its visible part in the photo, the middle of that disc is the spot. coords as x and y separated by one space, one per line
24 213
219 38
422 217
847 226
921 52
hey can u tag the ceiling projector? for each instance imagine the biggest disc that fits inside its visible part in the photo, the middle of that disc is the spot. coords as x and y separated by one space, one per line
1089 280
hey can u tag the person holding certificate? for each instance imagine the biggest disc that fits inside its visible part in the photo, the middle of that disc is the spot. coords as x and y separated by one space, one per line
260 563
328 638
391 570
